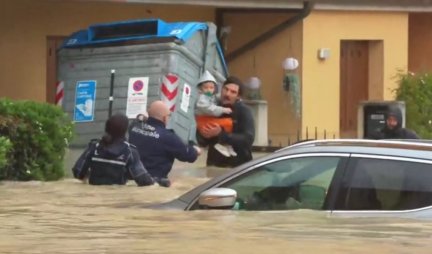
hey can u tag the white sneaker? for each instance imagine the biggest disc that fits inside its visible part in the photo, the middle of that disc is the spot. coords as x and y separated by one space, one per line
231 151
222 149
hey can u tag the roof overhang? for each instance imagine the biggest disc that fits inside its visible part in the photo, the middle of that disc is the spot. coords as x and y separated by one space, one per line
355 5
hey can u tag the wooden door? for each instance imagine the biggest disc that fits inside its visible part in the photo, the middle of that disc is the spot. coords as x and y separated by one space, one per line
53 44
354 76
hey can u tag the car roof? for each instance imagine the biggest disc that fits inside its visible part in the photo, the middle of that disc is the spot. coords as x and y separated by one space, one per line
390 143
418 148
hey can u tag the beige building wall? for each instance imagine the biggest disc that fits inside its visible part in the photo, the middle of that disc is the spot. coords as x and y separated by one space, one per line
388 32
25 24
265 62
420 38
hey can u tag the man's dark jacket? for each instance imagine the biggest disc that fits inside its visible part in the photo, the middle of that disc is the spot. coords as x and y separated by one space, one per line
241 139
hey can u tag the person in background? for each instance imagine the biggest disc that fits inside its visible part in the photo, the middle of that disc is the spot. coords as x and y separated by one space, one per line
207 111
158 146
243 135
393 128
112 160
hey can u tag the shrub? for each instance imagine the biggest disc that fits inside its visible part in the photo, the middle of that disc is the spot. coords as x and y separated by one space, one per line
39 133
5 147
416 91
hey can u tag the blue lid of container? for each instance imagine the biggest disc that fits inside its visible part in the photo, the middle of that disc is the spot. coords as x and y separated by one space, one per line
122 31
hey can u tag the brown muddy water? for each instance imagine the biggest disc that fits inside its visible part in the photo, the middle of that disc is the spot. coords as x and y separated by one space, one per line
68 216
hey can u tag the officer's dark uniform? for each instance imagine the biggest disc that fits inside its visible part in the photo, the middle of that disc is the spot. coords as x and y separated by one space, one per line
158 147
114 164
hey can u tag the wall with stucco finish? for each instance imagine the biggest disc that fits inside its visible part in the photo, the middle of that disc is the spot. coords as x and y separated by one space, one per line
321 79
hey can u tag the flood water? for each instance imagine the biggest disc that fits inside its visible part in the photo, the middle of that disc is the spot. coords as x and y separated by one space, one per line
68 216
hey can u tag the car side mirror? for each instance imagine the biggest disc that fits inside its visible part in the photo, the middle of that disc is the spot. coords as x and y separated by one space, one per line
217 198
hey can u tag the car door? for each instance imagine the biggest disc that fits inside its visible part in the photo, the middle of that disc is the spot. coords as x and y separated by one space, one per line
385 185
292 182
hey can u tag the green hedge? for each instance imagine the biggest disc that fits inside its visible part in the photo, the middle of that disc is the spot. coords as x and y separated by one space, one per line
5 148
416 91
39 135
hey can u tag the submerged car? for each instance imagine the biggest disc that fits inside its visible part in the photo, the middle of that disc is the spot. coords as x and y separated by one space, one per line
341 176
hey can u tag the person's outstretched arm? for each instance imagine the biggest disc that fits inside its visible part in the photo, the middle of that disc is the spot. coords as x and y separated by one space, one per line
205 106
137 170
180 151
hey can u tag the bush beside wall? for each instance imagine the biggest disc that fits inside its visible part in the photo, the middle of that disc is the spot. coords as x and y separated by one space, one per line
5 147
416 91
39 135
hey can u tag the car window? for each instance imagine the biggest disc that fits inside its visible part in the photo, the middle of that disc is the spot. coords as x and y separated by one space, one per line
384 184
296 183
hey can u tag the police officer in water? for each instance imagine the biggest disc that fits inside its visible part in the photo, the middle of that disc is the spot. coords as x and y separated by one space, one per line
112 160
158 146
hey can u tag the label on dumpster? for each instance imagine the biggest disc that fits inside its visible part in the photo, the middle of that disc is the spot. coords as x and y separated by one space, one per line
137 97
185 98
85 96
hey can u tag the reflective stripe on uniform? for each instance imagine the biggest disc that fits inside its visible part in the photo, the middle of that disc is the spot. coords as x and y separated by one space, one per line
109 161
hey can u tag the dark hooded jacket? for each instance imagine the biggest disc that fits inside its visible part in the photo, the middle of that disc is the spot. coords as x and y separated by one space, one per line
113 164
396 133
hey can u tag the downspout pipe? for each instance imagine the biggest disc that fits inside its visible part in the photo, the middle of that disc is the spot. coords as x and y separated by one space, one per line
307 8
